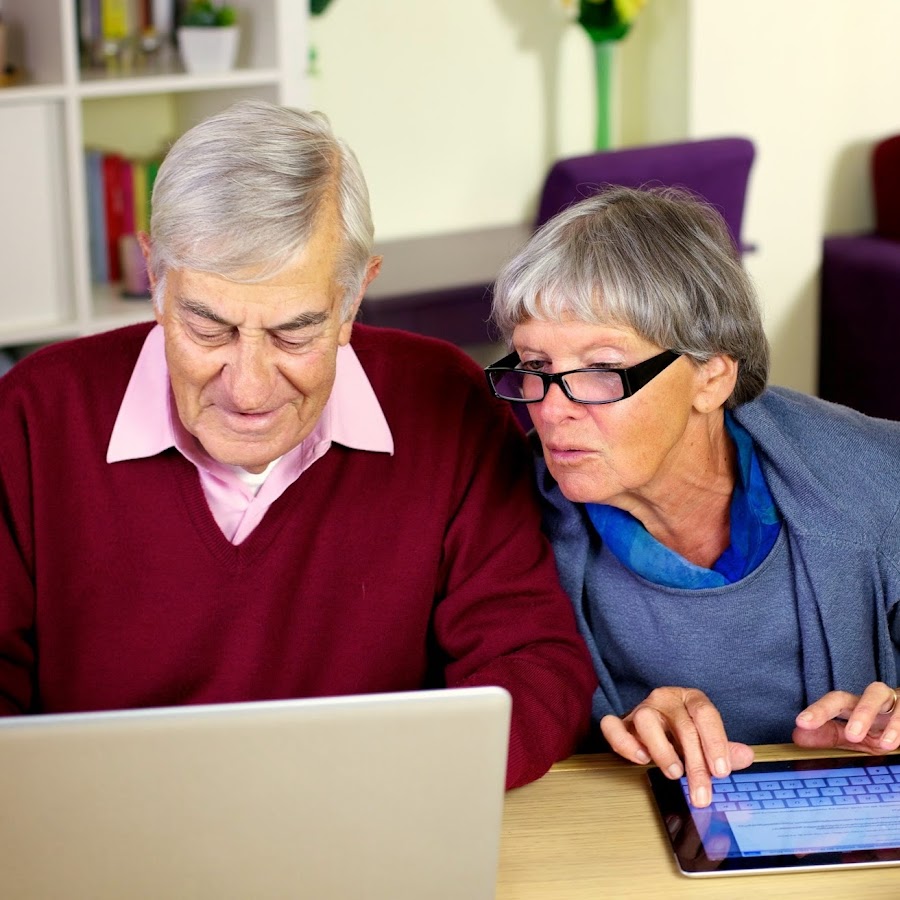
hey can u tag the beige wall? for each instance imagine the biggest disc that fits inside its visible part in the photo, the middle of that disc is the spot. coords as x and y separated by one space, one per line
456 110
814 83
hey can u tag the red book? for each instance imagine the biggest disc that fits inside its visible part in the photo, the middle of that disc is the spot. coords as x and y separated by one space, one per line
114 206
145 15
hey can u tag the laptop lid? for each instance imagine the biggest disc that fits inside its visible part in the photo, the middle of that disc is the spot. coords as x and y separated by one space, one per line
382 797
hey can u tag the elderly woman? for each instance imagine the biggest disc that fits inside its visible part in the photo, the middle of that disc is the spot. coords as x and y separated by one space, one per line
732 552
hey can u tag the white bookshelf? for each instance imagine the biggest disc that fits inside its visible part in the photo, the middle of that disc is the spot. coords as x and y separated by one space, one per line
46 292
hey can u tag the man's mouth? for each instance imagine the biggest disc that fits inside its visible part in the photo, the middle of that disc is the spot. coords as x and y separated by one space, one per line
256 421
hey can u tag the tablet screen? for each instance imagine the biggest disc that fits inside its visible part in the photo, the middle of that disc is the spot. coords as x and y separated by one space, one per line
773 816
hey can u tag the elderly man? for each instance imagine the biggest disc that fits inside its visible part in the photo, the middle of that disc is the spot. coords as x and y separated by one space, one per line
241 503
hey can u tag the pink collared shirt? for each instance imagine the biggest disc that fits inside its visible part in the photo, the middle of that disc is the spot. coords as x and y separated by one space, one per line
148 424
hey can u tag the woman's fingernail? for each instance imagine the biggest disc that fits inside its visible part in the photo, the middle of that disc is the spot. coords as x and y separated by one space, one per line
674 771
701 796
888 738
806 716
720 767
642 757
854 728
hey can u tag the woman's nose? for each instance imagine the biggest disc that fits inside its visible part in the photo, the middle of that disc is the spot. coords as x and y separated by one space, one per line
556 406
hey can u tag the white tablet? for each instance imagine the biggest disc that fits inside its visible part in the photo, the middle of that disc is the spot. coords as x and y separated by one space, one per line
792 815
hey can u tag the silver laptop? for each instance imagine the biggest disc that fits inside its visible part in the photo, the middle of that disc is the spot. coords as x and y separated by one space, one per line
376 797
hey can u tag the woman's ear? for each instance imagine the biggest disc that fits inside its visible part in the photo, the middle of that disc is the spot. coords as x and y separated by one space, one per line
716 380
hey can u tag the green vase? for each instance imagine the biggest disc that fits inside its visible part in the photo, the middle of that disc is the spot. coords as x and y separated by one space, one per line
603 70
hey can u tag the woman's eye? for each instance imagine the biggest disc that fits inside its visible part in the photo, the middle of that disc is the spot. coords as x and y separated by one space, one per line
533 365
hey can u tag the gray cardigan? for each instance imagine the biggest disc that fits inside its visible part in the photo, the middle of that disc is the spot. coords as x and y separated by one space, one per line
835 477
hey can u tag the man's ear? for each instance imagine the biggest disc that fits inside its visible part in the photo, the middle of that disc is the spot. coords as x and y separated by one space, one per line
372 270
373 267
144 242
716 380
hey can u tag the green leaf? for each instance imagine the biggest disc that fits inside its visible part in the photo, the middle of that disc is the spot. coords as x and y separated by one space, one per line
227 16
317 7
202 14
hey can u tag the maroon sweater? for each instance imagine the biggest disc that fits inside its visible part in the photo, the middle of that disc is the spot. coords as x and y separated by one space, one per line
370 573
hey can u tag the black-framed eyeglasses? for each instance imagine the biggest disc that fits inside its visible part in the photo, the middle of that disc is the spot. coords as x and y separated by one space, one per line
593 386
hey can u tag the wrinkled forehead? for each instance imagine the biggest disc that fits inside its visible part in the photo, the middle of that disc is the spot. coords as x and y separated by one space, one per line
302 292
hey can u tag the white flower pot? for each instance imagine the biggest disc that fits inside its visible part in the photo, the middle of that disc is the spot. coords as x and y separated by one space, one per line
209 49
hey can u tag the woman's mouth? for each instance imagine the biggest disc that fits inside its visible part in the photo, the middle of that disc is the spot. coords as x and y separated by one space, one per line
565 454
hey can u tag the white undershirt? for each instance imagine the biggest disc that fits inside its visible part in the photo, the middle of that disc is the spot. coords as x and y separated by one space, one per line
254 480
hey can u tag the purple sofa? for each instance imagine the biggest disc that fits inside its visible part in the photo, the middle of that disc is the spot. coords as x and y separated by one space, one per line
860 324
859 302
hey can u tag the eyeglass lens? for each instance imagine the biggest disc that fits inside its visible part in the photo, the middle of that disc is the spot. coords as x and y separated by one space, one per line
594 386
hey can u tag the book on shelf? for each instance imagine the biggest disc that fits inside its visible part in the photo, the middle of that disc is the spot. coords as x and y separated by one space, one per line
114 211
105 27
118 204
116 20
139 195
89 31
153 165
126 194
163 12
93 162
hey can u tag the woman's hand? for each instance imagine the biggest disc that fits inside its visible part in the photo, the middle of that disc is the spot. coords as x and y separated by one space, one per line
869 723
681 731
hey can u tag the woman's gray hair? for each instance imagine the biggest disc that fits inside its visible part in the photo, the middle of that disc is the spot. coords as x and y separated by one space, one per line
244 188
659 261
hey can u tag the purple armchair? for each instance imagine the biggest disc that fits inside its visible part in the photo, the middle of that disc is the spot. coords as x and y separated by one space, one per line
859 301
717 170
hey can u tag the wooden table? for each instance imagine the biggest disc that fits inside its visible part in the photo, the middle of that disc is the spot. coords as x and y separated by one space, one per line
589 829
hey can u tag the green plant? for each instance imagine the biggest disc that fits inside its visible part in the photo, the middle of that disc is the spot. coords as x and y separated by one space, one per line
608 20
204 14
317 7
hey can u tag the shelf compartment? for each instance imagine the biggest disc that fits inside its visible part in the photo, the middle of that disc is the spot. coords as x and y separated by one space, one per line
38 279
35 42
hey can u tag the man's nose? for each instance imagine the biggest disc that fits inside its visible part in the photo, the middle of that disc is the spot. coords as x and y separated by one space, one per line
250 374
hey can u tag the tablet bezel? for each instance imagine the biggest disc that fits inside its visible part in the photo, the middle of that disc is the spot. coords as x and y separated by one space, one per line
690 853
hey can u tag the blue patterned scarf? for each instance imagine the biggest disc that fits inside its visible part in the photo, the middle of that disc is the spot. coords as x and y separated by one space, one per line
754 520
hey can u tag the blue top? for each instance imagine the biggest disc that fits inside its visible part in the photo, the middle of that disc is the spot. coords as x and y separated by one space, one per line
833 475
708 638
